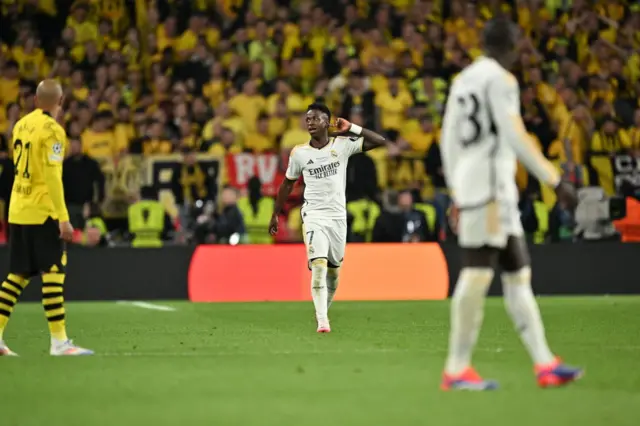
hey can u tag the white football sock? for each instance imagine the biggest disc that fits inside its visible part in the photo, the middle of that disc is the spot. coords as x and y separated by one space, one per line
333 275
523 309
467 312
319 287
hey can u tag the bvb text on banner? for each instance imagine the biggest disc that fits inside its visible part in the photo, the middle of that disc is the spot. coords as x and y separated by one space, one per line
280 273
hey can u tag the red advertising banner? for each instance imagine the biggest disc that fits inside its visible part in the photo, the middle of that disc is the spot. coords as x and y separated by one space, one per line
242 167
254 273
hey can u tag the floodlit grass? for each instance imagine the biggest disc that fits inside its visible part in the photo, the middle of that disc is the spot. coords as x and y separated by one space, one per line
263 364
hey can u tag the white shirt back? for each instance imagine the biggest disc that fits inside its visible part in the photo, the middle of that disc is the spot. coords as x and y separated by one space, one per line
325 176
479 162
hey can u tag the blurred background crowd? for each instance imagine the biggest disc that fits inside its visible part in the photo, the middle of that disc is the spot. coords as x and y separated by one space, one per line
180 114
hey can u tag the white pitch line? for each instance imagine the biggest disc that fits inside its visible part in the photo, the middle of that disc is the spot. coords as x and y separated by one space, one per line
279 352
146 305
372 351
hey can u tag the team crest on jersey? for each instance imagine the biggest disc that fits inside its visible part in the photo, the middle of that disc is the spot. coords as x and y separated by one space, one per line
311 249
334 153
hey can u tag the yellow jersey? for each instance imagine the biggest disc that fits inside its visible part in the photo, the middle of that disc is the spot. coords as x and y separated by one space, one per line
258 142
393 108
99 144
248 108
38 153
294 137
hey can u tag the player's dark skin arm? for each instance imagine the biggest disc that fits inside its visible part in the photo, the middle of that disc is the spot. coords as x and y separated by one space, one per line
370 138
283 195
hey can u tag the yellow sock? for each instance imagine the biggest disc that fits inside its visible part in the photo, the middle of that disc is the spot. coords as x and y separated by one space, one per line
10 292
53 302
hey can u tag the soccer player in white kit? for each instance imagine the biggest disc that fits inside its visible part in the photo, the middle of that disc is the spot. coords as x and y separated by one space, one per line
483 134
322 163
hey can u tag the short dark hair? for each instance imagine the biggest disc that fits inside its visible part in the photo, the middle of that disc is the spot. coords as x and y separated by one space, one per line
499 35
319 107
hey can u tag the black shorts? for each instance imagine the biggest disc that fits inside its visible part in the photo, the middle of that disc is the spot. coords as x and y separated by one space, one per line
34 249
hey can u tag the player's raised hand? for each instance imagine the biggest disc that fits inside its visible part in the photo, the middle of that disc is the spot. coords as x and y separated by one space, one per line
273 225
343 125
66 231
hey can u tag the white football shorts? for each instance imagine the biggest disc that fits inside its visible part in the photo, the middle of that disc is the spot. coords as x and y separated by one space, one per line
325 239
489 225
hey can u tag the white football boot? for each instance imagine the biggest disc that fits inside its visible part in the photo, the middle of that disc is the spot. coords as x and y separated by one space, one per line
5 351
67 348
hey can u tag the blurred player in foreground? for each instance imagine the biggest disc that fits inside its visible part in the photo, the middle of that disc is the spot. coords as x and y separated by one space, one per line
322 163
38 218
483 135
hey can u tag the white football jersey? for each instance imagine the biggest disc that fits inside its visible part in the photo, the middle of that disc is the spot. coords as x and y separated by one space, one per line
325 176
483 135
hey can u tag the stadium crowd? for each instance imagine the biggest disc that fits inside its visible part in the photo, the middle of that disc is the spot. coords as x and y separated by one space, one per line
171 107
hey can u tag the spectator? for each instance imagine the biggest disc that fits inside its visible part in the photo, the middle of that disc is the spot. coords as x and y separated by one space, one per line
229 225
190 180
10 83
149 223
359 99
407 225
362 214
610 138
142 85
295 136
99 141
635 134
264 50
83 182
225 144
259 140
392 103
84 29
95 229
6 180
420 140
157 142
248 104
256 212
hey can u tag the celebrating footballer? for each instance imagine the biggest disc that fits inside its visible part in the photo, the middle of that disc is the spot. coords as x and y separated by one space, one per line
322 163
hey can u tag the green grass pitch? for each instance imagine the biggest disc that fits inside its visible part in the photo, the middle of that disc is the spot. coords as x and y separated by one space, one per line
263 364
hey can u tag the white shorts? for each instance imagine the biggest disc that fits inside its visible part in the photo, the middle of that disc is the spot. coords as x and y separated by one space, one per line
325 239
490 225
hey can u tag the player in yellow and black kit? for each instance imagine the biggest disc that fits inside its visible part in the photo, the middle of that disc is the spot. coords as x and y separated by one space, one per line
38 218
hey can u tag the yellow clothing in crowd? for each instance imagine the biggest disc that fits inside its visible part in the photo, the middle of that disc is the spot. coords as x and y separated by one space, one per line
99 144
393 108
248 108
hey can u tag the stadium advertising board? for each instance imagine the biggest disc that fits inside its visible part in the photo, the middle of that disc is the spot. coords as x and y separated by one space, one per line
626 169
125 176
122 179
162 171
280 273
242 167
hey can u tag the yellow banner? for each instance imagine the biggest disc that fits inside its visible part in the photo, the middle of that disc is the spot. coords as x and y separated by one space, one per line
122 181
159 171
124 177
